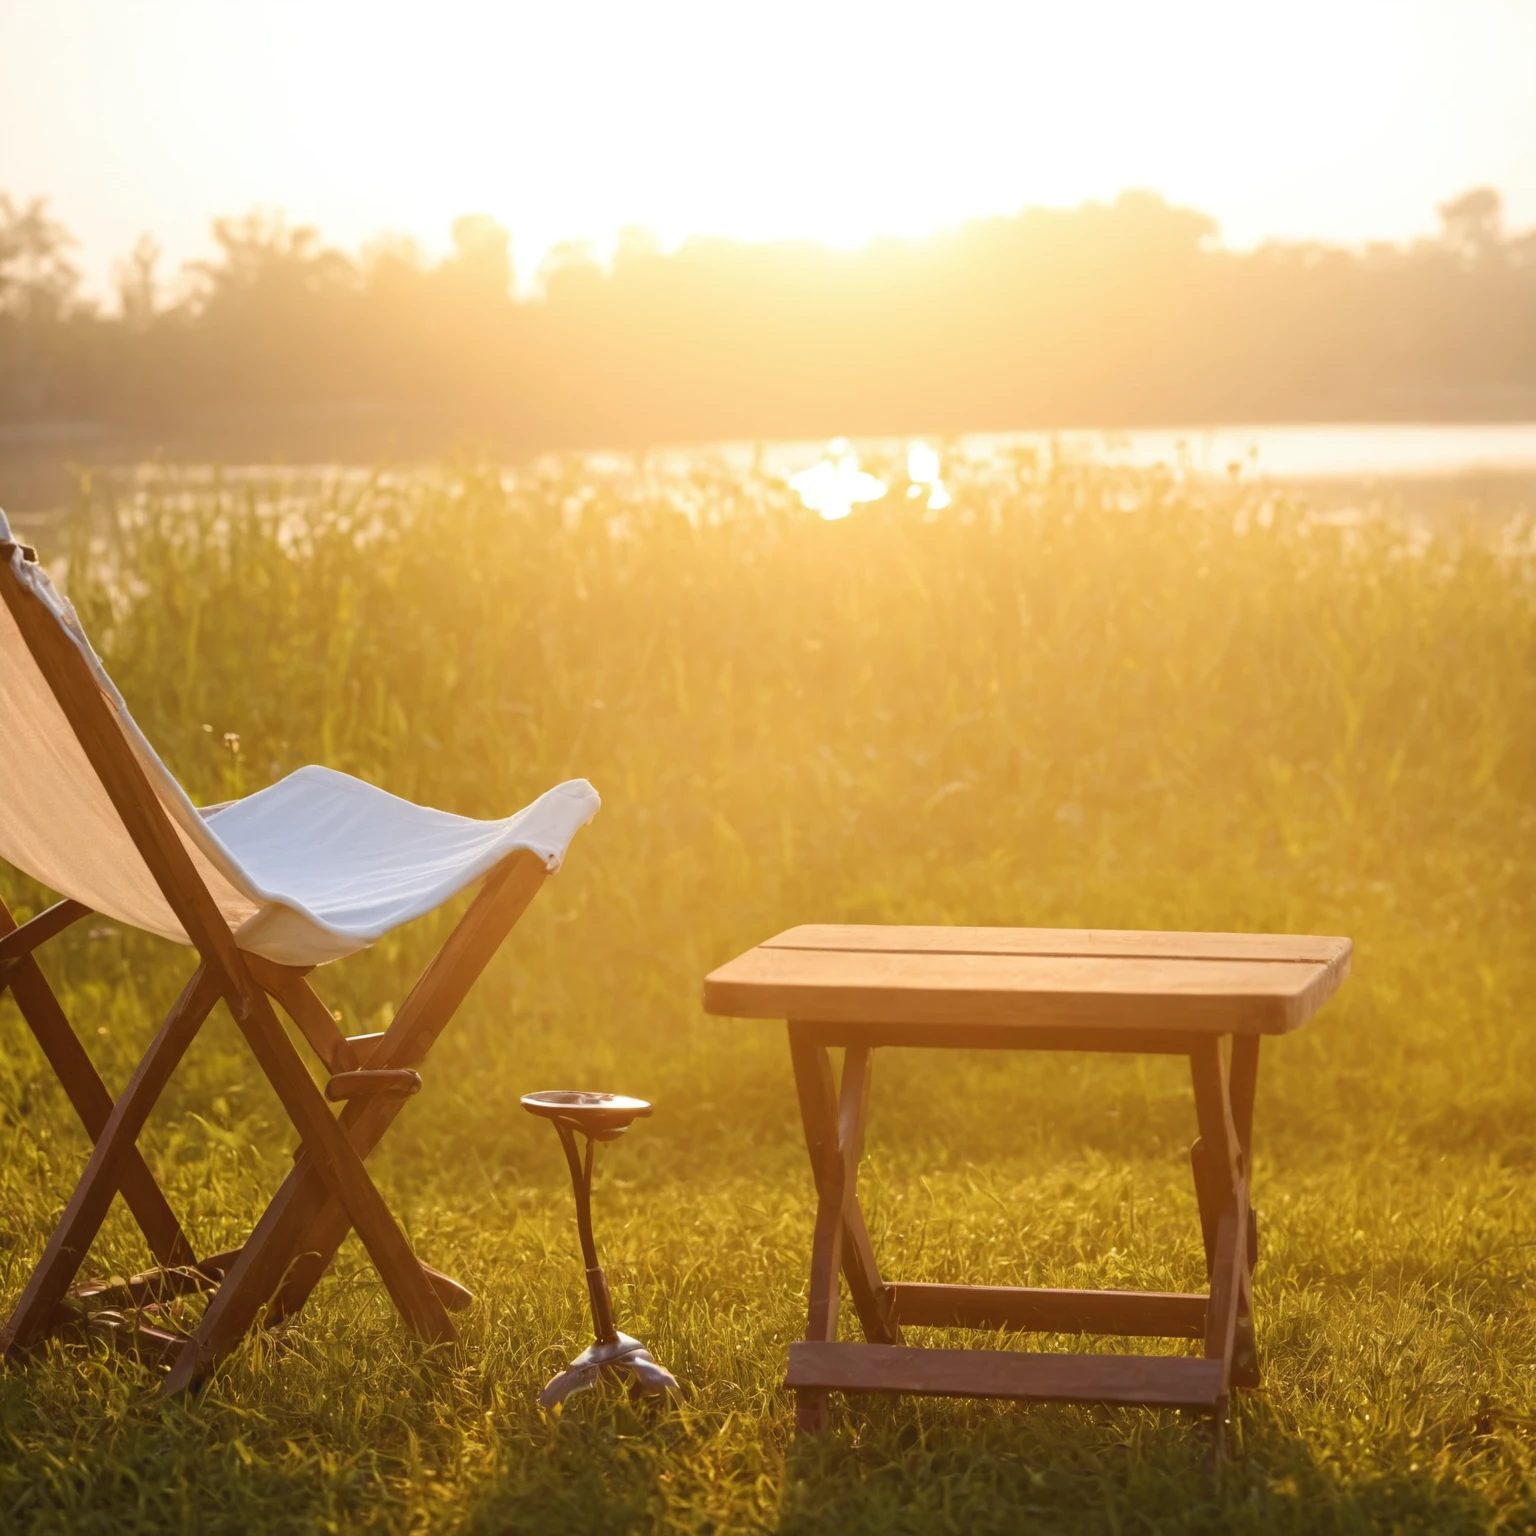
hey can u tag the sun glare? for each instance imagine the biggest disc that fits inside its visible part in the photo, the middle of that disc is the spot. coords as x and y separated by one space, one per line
923 471
835 485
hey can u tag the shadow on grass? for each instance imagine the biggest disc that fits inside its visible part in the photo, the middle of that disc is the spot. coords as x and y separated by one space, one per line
905 1467
597 1473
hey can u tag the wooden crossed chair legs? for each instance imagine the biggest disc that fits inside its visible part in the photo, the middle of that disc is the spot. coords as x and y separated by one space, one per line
305 1224
313 868
77 1075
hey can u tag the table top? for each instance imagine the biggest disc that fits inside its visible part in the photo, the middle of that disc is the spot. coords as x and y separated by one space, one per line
1041 978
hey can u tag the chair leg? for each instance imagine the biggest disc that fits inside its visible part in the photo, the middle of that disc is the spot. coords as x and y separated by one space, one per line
93 1104
290 1249
93 1195
255 1273
298 1235
438 994
328 1150
327 1226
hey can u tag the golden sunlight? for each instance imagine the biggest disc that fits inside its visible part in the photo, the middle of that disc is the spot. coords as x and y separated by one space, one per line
836 122
427 412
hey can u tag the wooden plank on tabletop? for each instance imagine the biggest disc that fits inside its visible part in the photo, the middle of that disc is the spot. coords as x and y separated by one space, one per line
1083 992
1120 943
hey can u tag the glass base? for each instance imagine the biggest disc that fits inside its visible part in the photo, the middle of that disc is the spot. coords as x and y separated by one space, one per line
624 1355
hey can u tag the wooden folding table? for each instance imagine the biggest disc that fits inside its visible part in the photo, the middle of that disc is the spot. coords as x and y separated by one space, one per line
1208 996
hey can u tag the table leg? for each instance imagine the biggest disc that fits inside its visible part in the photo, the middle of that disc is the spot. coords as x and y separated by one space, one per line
1243 1079
1245 1360
1224 1106
834 1122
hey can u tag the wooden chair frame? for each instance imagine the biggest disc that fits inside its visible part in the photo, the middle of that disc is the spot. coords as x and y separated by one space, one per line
328 1193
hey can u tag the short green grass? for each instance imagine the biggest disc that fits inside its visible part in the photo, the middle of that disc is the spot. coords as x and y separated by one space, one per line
1073 698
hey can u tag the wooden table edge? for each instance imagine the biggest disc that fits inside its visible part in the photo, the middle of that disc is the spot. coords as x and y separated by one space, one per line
944 1009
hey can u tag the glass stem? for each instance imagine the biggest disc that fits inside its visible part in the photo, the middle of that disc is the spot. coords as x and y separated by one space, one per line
597 1281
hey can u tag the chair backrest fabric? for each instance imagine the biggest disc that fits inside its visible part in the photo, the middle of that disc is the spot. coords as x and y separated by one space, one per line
57 822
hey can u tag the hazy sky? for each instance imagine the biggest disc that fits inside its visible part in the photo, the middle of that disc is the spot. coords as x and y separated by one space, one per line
1344 119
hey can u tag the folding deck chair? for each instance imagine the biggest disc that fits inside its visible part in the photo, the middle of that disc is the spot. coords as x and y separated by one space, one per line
313 868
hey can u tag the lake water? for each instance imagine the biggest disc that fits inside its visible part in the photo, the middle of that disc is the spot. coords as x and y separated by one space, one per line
1345 452
34 484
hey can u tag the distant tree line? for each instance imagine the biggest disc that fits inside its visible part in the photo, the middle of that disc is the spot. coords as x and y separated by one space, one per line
1101 315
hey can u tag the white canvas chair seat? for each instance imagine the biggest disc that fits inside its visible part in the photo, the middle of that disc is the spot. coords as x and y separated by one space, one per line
338 863
317 866
313 868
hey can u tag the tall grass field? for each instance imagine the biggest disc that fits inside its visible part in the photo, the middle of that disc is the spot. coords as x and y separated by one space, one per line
1074 697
